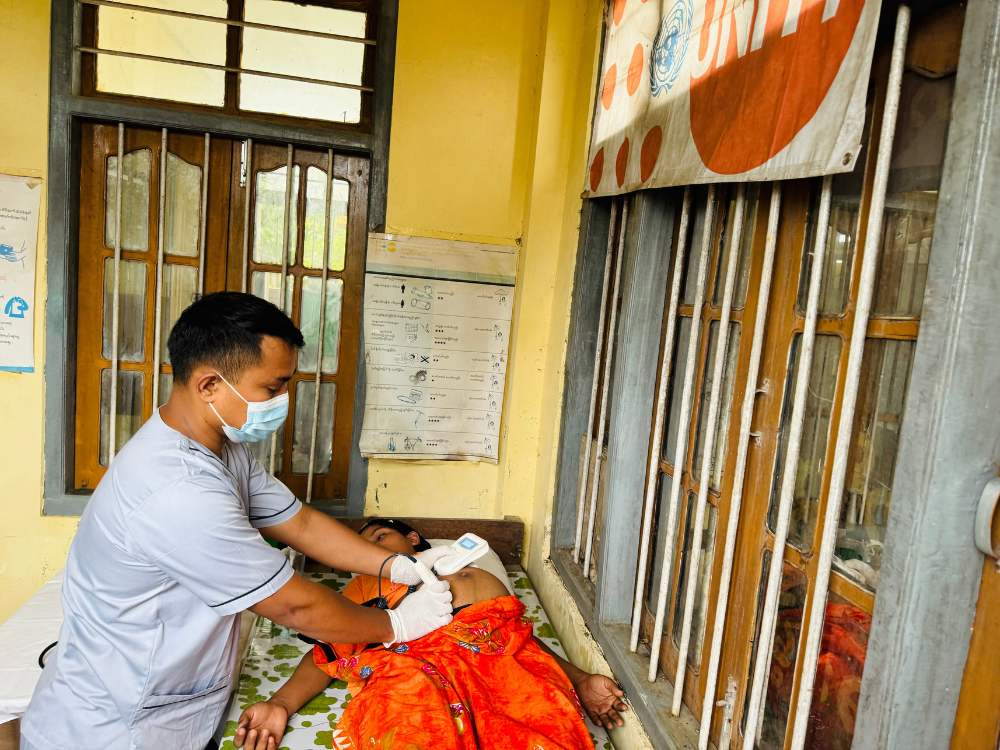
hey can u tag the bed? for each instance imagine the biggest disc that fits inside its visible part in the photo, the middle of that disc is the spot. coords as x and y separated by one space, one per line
273 652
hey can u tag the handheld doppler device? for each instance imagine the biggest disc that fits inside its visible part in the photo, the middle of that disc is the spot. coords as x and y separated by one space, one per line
466 550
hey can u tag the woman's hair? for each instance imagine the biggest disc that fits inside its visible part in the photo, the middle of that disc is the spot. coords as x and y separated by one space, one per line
400 526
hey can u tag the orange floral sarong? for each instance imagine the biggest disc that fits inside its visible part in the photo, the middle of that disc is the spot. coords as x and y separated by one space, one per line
479 682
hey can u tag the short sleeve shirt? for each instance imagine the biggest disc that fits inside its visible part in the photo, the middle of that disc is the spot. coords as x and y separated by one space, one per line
166 554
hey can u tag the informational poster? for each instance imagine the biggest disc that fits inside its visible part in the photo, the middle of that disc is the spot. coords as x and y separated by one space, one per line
436 349
20 198
696 91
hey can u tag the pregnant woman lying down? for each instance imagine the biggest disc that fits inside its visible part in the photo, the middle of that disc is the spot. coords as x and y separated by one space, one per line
482 681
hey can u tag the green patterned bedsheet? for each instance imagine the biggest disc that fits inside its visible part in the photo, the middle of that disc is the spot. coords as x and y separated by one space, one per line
275 653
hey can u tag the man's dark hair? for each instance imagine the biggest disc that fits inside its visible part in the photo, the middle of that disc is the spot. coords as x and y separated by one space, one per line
224 330
401 526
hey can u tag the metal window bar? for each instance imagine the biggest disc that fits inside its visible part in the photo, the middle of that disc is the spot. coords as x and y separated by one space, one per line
223 68
666 570
228 21
786 498
653 466
708 448
247 195
322 324
602 413
736 500
115 298
598 354
282 285
158 289
835 497
204 215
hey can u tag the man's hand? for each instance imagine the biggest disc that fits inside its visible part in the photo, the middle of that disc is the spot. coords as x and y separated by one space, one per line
421 612
261 726
602 700
403 571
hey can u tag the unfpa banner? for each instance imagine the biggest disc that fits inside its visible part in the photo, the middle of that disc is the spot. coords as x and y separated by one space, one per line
730 90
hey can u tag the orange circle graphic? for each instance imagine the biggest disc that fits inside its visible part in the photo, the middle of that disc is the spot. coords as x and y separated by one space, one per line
635 68
608 87
650 152
597 169
621 162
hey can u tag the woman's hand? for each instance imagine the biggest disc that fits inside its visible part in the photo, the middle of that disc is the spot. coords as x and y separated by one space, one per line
602 699
261 726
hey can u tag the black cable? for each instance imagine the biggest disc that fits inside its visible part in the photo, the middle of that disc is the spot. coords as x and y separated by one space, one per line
41 656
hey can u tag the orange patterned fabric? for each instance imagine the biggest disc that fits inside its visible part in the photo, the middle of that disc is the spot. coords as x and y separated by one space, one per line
479 682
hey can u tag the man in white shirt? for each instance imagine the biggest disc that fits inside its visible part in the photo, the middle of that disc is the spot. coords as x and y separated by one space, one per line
168 552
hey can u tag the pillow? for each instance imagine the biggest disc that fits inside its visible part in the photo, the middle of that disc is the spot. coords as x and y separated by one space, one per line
490 562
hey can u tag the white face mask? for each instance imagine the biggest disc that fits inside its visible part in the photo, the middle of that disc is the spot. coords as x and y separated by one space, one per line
264 418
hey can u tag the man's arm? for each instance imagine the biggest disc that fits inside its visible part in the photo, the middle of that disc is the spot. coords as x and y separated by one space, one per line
326 540
325 615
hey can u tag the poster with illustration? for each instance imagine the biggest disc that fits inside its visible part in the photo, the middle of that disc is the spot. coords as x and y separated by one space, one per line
20 198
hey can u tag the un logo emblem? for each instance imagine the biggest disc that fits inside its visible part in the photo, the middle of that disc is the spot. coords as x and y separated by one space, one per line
670 47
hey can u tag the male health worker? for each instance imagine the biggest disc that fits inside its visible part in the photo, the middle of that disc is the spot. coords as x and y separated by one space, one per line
169 551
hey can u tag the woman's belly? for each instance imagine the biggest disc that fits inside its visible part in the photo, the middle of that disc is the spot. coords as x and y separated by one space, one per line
472 585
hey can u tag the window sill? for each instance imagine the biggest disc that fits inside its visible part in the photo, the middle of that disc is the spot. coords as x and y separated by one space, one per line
650 700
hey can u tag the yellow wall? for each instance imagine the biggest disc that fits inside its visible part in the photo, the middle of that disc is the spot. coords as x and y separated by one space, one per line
31 547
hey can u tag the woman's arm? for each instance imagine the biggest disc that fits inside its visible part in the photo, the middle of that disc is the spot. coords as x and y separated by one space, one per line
262 725
601 696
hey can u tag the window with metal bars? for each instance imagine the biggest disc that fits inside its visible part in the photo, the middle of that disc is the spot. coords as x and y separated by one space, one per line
789 317
186 214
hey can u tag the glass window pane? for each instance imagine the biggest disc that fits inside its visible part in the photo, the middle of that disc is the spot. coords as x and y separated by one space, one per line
135 200
658 534
305 395
885 375
750 204
841 241
307 56
127 30
182 208
839 670
695 237
179 290
166 386
312 242
131 309
788 627
309 323
128 417
704 567
815 435
262 451
268 285
269 215
683 335
725 402
723 232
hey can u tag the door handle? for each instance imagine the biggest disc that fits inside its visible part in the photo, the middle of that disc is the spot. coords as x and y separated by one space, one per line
988 503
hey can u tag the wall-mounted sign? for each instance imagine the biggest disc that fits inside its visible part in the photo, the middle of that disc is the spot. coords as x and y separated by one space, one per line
20 198
697 91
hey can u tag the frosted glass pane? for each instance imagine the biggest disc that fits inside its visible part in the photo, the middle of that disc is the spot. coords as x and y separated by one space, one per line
310 57
180 285
164 36
725 402
128 409
262 451
302 437
135 200
701 582
131 309
166 386
268 285
312 243
309 323
182 208
269 215
677 371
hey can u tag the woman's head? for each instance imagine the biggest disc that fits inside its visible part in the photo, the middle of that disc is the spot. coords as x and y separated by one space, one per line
394 535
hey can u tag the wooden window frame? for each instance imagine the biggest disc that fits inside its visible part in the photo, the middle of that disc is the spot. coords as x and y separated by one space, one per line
69 108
